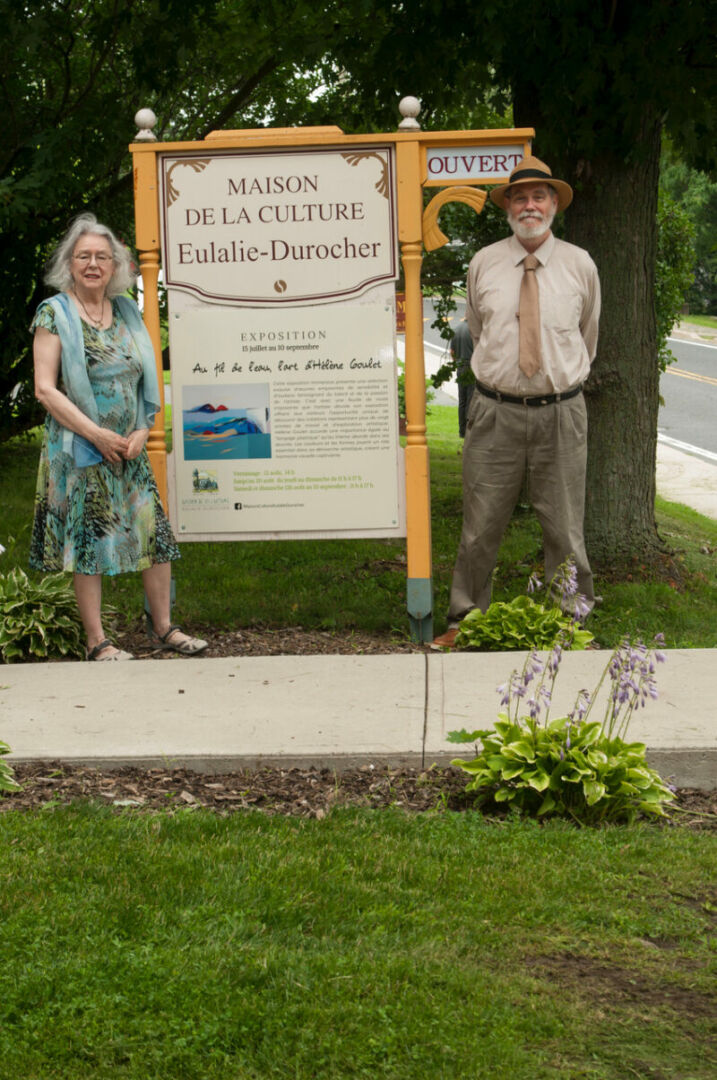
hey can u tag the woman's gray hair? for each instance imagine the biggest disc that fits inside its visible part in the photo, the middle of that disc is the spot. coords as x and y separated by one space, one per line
58 268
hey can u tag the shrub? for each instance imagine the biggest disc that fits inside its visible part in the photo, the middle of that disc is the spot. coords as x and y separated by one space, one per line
571 766
430 392
38 619
519 625
7 778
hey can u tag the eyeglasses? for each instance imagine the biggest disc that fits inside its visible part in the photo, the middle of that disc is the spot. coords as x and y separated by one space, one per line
85 257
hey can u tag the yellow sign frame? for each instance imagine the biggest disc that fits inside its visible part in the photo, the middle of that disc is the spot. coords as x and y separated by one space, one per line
416 229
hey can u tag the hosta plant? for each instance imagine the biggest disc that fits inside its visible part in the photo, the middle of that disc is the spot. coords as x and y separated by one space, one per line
572 766
522 624
519 625
38 619
7 778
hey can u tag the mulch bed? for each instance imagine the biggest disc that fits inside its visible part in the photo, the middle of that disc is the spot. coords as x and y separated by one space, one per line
308 793
260 641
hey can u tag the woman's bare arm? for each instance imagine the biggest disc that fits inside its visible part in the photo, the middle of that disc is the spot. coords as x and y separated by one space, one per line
47 355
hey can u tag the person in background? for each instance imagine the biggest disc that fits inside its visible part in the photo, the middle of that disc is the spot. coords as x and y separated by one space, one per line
97 508
462 351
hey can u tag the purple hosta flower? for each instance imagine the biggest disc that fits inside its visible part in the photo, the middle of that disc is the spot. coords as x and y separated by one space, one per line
632 671
534 583
564 589
581 706
566 578
658 653
581 607
518 685
533 708
533 666
536 664
504 691
554 660
568 744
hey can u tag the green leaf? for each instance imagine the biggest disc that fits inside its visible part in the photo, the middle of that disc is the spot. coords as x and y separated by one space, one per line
464 736
521 748
509 771
593 790
539 780
504 794
547 804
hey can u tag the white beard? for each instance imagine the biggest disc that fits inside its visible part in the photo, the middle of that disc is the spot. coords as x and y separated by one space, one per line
530 226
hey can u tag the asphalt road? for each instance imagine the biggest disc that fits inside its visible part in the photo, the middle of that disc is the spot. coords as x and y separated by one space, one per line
689 392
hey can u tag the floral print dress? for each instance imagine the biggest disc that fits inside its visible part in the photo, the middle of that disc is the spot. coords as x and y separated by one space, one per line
105 518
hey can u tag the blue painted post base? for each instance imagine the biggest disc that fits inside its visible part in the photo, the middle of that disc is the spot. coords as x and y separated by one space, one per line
420 609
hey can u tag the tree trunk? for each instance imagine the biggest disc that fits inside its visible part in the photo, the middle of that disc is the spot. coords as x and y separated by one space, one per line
614 217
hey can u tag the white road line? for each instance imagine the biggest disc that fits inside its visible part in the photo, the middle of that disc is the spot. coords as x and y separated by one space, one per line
687 447
691 344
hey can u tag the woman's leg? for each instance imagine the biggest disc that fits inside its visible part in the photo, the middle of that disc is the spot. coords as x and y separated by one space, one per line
88 592
157 581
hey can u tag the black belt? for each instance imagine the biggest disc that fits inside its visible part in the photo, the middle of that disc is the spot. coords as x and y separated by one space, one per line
512 399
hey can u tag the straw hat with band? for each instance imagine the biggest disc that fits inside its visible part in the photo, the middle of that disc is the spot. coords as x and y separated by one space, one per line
533 171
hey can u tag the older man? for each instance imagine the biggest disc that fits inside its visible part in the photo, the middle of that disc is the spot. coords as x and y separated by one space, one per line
533 306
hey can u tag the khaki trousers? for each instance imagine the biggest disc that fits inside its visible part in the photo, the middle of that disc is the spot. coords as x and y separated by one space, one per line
503 443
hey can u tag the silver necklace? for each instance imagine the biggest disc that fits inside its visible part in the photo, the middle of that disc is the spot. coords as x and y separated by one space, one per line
97 323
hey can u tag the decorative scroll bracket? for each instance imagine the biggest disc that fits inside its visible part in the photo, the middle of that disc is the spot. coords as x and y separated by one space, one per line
433 237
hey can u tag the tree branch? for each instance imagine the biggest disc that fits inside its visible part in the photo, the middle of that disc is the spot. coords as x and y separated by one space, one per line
240 96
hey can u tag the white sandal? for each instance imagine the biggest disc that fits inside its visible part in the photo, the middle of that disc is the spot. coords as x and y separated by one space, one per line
189 647
118 654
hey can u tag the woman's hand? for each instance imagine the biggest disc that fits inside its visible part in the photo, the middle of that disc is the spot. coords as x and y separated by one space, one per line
135 443
112 446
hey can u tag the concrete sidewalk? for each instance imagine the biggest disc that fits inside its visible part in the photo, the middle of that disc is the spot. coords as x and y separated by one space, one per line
336 711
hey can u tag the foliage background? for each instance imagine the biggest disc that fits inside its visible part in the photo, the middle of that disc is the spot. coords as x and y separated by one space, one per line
620 76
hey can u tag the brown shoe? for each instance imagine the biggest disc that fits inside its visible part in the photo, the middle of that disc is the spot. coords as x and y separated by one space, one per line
447 640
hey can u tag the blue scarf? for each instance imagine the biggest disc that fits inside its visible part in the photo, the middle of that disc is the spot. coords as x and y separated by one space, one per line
76 380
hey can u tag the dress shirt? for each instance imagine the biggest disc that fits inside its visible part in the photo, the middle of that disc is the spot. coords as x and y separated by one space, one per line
569 292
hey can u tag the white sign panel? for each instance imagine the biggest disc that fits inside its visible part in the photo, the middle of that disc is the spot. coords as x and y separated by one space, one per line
285 421
486 164
279 228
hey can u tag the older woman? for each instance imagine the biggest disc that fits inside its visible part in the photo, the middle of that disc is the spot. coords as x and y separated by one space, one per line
97 509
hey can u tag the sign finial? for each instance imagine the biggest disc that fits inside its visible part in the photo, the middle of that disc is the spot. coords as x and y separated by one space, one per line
145 121
409 108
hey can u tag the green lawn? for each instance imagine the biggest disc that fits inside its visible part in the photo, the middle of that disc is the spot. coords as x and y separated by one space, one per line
369 944
188 945
701 320
344 585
